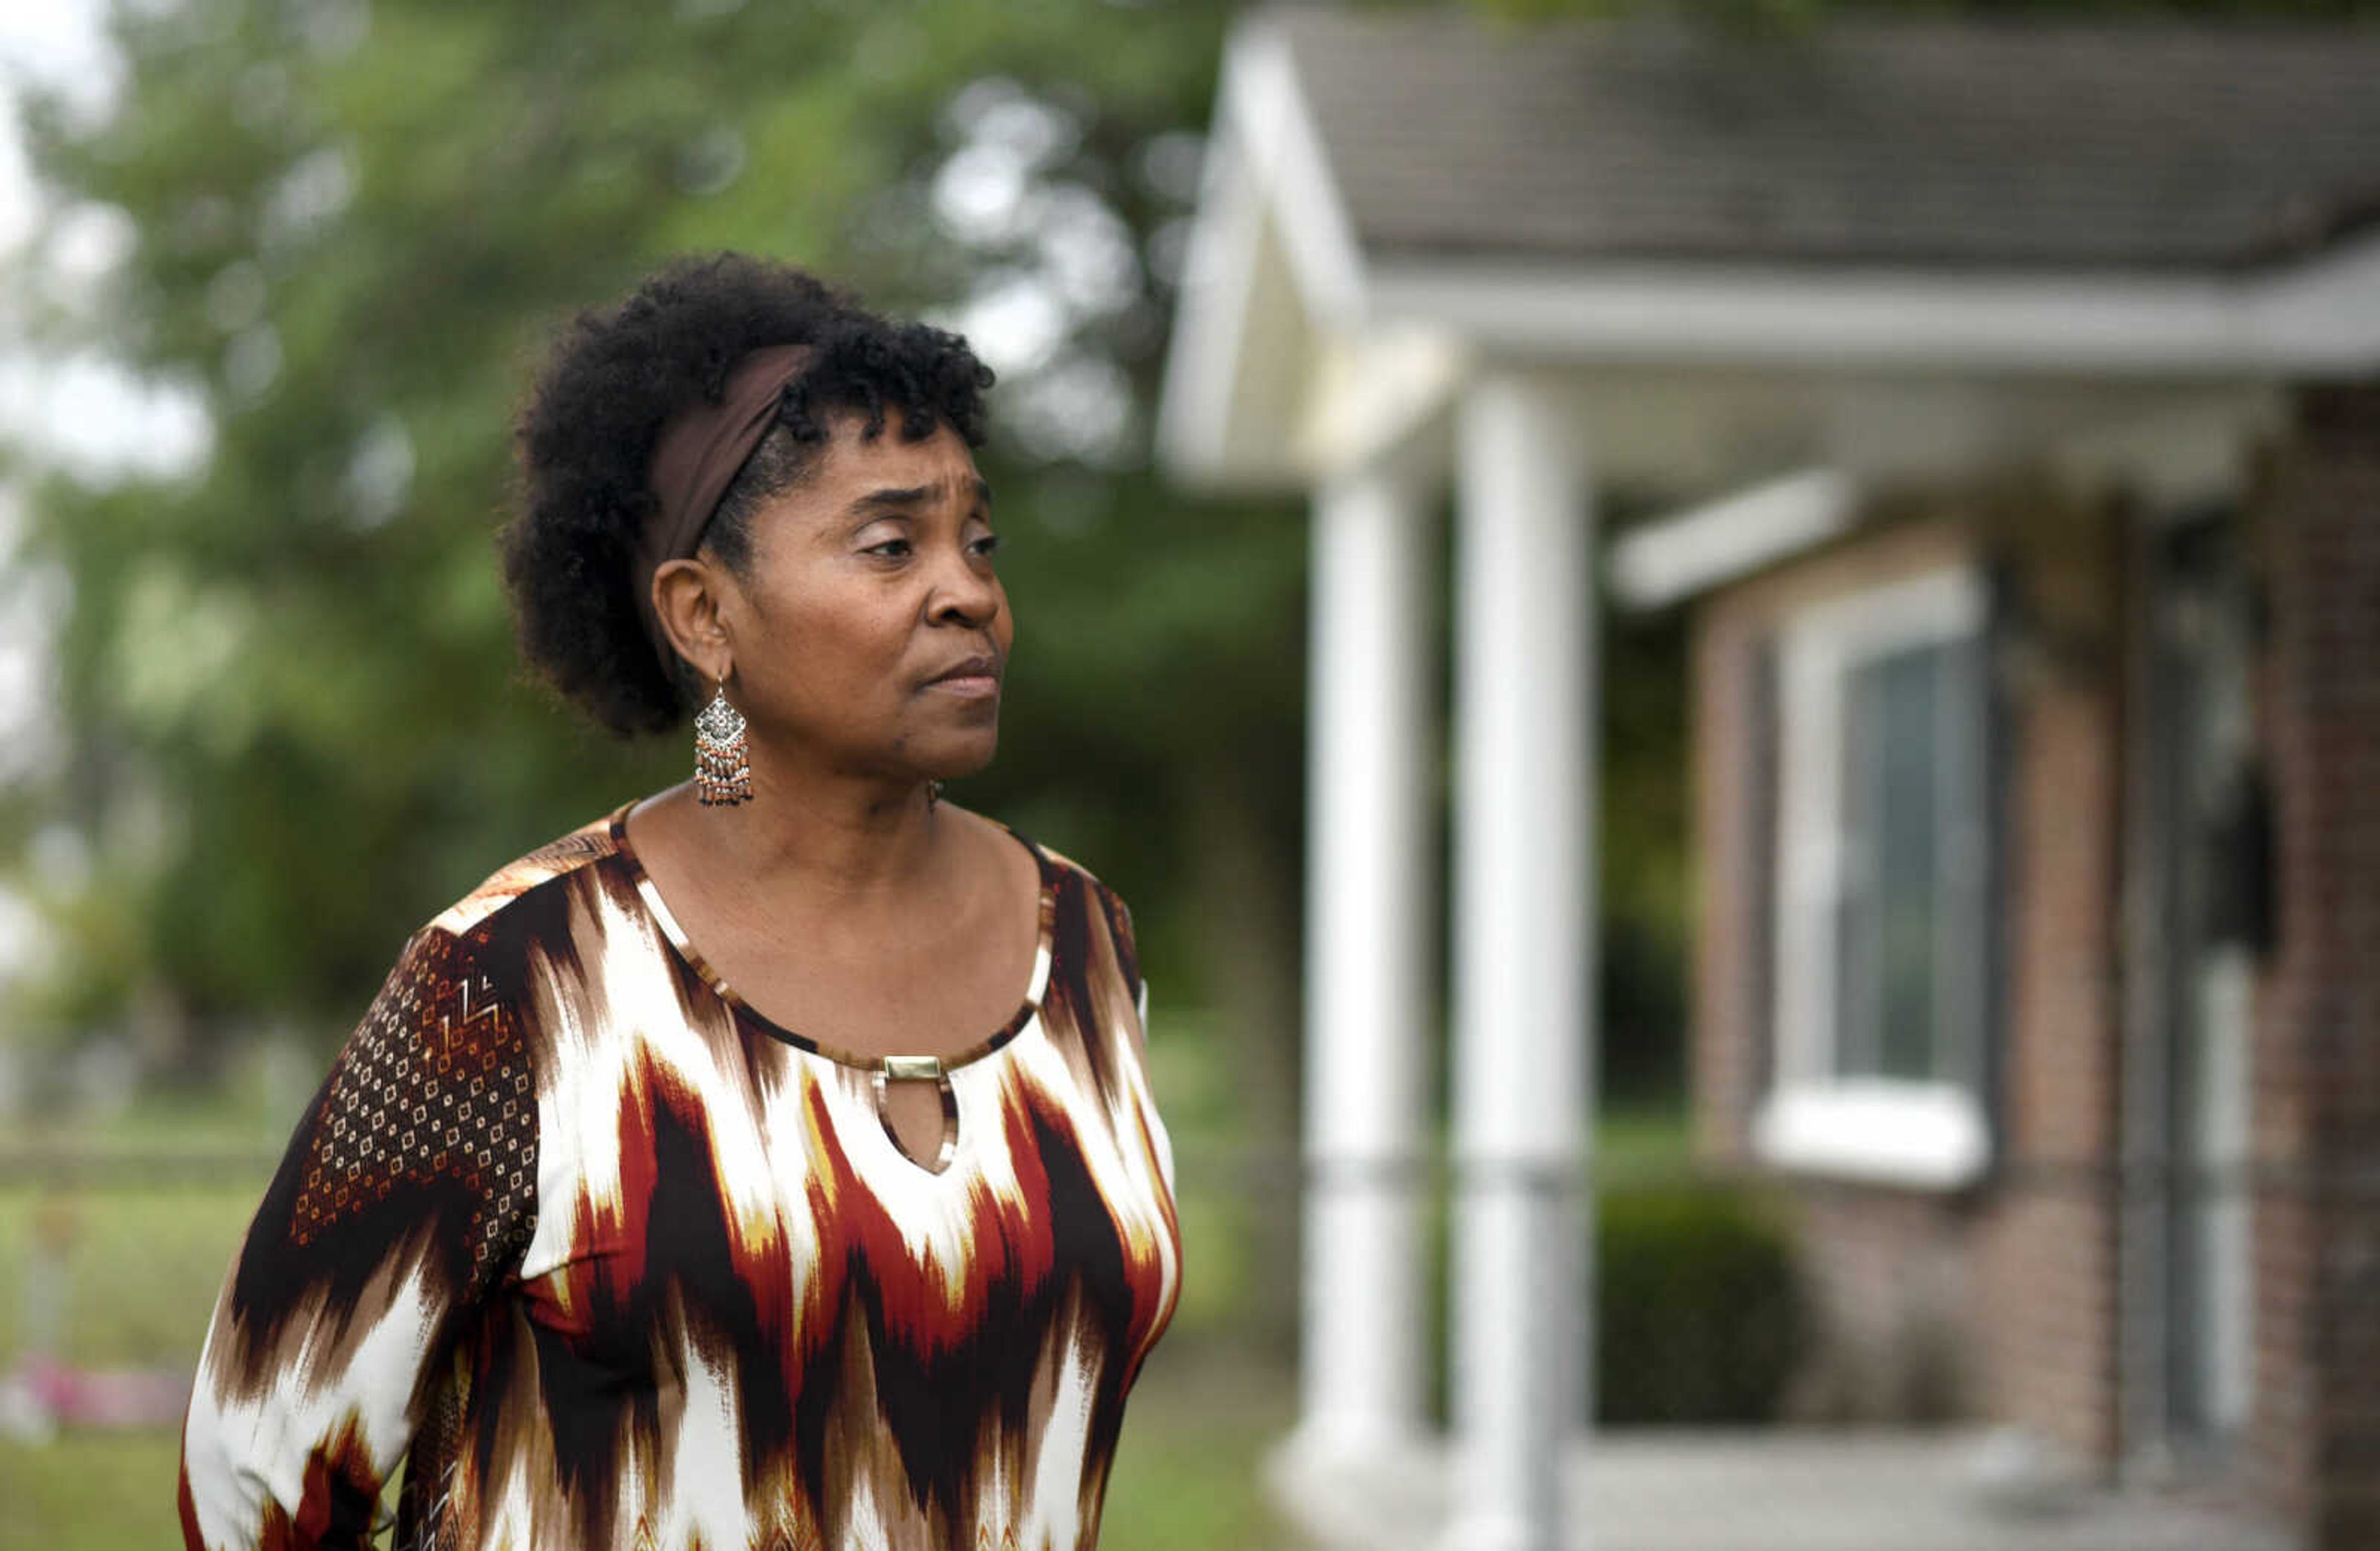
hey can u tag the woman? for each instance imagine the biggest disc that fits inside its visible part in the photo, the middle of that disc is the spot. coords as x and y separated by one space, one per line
848 1227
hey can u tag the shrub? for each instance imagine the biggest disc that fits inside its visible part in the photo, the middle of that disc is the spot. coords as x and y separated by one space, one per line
1699 1315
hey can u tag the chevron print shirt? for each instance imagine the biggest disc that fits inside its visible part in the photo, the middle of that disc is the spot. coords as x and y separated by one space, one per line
605 1258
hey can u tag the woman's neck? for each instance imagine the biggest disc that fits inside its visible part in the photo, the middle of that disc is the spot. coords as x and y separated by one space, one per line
841 840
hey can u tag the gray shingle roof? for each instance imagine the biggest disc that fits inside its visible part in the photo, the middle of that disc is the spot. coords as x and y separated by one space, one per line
2150 143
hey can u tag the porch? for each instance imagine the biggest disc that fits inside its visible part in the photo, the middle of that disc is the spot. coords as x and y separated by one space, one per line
1663 1489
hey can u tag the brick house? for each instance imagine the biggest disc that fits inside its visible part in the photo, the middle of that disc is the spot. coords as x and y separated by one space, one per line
2013 389
2097 1156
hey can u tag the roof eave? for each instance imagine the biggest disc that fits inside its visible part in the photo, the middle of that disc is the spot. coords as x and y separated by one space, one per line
1268 198
2318 317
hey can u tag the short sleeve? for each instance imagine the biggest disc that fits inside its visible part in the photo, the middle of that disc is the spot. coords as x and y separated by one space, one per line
404 1199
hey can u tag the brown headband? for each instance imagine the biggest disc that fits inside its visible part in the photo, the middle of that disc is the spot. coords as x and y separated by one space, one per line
695 459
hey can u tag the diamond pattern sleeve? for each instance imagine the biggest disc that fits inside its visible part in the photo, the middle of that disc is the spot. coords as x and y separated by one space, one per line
404 1199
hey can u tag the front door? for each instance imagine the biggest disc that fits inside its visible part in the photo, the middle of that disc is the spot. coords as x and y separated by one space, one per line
2210 832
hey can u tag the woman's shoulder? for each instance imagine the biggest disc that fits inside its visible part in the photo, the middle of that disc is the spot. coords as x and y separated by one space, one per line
564 855
1066 866
1069 871
1104 905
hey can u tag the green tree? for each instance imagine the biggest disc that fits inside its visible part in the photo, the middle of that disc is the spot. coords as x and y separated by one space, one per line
294 722
295 725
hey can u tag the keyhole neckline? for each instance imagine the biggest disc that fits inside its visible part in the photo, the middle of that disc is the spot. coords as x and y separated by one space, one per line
949 1147
1044 965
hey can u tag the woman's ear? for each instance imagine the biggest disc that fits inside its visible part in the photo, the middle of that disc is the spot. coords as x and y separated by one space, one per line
687 595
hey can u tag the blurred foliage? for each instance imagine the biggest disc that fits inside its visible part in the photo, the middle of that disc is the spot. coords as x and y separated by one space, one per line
1640 970
295 724
1699 1312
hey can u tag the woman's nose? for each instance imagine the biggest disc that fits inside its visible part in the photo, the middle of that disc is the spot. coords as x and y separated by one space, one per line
963 590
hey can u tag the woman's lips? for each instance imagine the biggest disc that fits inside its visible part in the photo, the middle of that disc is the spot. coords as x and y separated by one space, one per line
973 686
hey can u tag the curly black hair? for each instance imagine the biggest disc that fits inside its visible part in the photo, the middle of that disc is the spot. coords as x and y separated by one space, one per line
586 436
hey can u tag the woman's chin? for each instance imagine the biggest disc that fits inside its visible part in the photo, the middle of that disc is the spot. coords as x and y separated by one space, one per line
961 758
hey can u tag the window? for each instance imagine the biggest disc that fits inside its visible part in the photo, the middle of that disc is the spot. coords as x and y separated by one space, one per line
1882 928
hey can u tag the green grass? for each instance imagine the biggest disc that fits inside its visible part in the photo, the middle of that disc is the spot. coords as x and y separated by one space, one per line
1195 1431
143 1265
1637 1144
103 1492
143 1268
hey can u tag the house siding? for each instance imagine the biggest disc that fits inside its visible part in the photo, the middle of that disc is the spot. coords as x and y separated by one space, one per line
2316 1435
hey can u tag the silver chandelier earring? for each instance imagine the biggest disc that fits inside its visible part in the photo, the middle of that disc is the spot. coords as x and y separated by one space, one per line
722 768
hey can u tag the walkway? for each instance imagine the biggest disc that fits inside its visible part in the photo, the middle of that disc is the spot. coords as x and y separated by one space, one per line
1678 1490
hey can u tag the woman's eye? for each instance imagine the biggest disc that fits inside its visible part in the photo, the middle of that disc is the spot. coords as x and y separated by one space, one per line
893 549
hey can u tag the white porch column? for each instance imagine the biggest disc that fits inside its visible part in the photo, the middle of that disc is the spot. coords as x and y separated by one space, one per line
1363 1310
1522 923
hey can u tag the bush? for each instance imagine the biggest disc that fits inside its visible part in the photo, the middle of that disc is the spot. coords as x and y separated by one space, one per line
1699 1313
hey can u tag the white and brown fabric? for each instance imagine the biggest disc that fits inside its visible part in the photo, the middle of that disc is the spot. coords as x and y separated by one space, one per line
602 1257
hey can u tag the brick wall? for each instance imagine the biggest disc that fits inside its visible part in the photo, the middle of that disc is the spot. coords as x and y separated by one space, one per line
1728 1032
2022 1275
2316 1428
2046 1249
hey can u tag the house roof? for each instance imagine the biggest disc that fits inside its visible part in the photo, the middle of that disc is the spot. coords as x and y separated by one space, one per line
2149 144
1697 226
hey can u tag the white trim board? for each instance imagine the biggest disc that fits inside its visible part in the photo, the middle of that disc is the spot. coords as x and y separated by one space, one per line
1692 551
1268 105
1267 196
2317 319
1918 1135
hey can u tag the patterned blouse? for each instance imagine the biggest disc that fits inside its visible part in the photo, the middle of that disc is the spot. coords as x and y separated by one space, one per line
609 1259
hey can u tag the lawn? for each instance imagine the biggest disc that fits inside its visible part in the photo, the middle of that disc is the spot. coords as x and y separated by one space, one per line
143 1267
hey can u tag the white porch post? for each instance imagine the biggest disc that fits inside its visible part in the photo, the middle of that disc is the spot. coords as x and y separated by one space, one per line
1522 925
1363 1310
